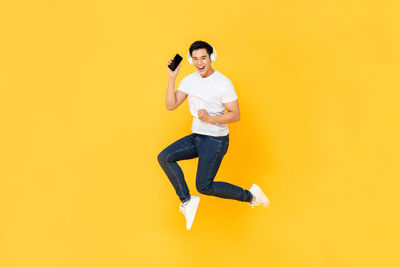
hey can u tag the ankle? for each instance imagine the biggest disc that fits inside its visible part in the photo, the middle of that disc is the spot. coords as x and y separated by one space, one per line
185 201
253 199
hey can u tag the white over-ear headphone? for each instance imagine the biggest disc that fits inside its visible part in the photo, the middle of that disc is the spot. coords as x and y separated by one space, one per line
213 56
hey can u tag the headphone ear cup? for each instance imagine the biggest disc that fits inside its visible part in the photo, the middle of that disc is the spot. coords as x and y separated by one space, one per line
189 58
212 57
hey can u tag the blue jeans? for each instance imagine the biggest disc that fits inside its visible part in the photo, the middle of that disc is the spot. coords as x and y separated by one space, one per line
210 150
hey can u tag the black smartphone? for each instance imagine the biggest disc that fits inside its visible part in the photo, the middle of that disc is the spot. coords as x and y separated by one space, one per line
175 62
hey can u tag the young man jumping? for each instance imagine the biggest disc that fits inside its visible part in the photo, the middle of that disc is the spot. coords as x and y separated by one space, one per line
210 93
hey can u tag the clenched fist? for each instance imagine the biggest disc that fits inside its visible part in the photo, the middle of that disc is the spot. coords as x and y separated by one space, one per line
203 115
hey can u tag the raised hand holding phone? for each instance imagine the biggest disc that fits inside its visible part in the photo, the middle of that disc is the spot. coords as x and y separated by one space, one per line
174 66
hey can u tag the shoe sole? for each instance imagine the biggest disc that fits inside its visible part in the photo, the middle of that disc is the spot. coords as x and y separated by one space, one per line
197 202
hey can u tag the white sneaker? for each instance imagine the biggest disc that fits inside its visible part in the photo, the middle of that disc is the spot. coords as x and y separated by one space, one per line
260 197
189 210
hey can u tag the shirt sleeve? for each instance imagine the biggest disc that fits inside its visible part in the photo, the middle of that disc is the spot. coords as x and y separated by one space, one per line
229 93
183 86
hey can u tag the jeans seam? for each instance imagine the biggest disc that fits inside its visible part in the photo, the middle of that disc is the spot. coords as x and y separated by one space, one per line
176 151
172 169
215 159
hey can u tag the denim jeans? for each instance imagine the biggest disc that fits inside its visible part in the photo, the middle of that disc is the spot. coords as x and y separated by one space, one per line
210 150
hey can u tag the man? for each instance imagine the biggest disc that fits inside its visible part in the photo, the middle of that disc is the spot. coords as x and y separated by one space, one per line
210 93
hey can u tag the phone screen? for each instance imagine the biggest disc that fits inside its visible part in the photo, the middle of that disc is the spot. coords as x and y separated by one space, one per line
175 62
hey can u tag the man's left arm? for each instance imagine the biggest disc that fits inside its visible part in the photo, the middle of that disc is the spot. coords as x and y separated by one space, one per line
233 114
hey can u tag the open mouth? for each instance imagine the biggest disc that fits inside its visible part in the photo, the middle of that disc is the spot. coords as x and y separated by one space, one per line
201 68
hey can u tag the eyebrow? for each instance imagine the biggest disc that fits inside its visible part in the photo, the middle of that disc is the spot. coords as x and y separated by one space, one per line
201 56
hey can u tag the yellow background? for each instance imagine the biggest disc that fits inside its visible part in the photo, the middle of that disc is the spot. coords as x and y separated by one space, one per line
83 117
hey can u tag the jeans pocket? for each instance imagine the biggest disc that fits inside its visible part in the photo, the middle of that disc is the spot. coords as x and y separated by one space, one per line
223 139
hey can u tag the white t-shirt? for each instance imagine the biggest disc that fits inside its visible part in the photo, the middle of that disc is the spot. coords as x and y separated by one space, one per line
208 93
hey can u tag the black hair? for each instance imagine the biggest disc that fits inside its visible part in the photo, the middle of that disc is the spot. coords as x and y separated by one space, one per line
201 44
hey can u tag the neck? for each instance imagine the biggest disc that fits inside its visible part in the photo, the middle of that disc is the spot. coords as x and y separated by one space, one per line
211 71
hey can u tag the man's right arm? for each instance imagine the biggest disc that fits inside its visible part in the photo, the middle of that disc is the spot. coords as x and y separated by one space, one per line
174 98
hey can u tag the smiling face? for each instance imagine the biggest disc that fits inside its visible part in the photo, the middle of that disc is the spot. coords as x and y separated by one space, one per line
202 62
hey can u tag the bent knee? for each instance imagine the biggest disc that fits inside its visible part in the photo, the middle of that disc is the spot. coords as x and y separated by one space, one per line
162 157
204 188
